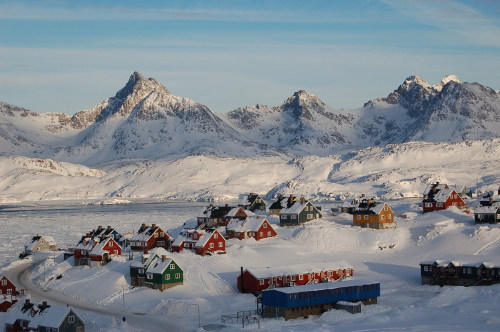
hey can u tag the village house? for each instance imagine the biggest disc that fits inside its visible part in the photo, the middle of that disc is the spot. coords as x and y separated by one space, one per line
281 203
255 227
459 270
488 213
149 237
370 214
156 271
201 241
440 197
95 252
256 280
315 299
252 202
43 317
6 286
298 212
40 243
215 216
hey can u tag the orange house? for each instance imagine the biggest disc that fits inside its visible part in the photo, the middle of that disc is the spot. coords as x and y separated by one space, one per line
370 214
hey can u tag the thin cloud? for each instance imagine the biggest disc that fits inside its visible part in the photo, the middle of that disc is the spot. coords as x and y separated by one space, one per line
452 16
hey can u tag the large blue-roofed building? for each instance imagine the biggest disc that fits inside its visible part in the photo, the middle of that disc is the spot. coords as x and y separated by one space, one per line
314 299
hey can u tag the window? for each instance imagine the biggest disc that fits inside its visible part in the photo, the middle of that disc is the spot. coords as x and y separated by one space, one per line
310 216
115 252
439 204
4 282
301 277
162 234
220 245
195 236
9 291
265 225
149 276
216 236
359 217
429 205
282 216
161 243
167 276
261 281
177 276
426 268
71 319
156 235
389 216
292 278
110 243
172 266
382 217
469 270
261 234
140 271
386 208
211 245
269 233
294 216
330 273
366 217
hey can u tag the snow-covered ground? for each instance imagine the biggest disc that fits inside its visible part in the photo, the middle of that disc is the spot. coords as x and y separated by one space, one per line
390 256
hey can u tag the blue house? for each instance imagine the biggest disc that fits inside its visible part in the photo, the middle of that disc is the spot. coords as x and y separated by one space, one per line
314 299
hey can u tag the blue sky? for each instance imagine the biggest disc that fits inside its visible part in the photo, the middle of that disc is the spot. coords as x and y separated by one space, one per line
67 56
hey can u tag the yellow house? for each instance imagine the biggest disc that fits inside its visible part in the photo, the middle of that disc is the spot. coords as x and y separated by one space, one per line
370 214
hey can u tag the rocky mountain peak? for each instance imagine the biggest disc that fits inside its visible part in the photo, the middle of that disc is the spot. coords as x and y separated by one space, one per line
302 103
446 80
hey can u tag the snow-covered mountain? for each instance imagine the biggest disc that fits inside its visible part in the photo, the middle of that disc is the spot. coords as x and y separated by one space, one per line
148 143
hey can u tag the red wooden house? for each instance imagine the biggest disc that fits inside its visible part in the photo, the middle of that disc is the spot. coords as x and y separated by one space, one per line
210 242
149 237
440 197
252 227
6 286
96 252
200 240
257 280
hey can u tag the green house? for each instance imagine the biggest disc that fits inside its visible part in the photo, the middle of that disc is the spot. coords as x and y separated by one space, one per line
163 273
299 212
138 268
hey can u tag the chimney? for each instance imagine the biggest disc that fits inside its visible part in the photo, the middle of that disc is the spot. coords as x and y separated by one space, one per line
363 195
146 251
227 205
27 301
163 258
491 200
153 226
100 227
302 199
211 205
109 227
290 199
87 235
281 197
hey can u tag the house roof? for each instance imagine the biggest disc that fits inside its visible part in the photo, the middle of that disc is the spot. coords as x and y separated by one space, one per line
216 211
145 232
146 259
249 199
50 316
276 271
493 208
461 260
296 207
205 237
281 203
248 225
322 286
99 248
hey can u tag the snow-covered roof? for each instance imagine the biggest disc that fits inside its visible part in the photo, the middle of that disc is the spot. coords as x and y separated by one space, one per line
49 316
461 260
296 207
144 233
35 239
247 225
322 286
493 208
273 271
158 265
99 248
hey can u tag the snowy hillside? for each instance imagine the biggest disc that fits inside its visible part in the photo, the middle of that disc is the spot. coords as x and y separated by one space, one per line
393 171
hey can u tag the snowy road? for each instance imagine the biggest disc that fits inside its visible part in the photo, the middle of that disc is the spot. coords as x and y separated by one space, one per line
19 275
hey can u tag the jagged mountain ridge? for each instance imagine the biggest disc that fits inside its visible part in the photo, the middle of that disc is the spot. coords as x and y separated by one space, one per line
144 120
